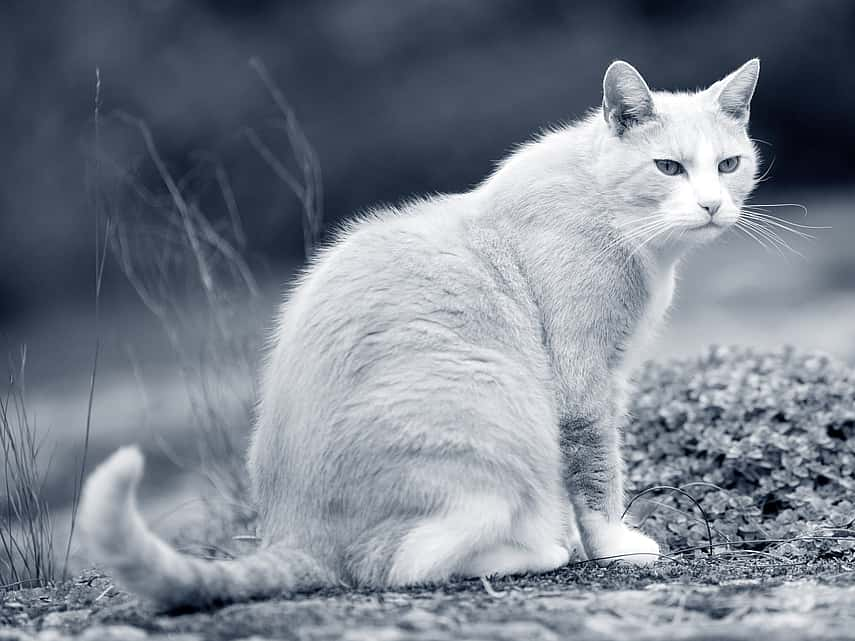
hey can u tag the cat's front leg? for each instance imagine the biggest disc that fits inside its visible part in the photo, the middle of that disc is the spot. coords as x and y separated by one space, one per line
593 476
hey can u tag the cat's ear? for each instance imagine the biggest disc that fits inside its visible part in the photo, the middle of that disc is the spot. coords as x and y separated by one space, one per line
626 97
733 93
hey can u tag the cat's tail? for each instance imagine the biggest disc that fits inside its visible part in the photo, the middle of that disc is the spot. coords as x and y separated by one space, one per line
145 564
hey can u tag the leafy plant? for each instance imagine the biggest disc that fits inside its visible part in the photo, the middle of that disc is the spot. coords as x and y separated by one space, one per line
764 441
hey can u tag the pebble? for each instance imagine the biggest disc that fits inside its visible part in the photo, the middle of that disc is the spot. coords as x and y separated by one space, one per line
112 633
11 634
65 619
375 633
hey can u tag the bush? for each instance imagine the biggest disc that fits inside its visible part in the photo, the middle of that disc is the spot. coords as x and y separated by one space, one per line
765 442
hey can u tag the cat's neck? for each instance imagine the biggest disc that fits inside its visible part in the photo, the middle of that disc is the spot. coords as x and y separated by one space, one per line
552 190
549 207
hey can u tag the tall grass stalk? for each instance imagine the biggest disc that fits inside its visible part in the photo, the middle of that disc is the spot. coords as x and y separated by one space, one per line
102 226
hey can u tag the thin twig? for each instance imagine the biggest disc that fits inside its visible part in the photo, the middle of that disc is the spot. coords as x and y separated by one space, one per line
670 488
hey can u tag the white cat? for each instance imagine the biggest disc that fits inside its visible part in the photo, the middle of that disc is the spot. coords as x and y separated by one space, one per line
448 381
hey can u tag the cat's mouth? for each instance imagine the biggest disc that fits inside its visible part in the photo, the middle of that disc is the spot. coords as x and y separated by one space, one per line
710 224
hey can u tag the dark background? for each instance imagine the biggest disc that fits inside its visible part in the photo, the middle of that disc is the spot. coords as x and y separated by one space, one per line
397 98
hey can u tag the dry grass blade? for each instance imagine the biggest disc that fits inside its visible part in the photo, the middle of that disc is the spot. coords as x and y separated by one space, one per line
26 527
309 191
231 203
177 198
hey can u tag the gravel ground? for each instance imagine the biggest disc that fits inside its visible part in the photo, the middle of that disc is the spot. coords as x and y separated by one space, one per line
697 598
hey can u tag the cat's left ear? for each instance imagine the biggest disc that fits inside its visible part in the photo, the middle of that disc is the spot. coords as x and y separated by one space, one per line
734 92
626 97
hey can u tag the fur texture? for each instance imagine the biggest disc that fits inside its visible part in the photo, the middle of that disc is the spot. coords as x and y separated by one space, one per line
447 383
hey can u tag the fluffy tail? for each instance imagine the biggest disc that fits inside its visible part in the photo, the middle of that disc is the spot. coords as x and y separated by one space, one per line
118 538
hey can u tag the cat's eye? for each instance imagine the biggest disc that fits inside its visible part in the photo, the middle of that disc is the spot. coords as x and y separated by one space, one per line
669 167
728 165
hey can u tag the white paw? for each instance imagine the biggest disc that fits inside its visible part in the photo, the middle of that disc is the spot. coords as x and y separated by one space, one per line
616 542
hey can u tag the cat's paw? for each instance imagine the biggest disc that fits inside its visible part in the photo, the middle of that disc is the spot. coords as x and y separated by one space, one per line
610 542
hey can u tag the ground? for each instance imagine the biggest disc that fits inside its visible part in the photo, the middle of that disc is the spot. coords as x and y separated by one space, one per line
697 598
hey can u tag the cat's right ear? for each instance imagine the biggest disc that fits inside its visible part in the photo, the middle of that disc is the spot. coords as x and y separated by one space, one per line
626 97
734 92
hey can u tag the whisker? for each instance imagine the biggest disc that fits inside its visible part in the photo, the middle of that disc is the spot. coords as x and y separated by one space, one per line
768 170
758 218
762 232
779 225
783 220
751 235
799 205
670 233
637 220
625 237
656 233
771 235
638 233
632 242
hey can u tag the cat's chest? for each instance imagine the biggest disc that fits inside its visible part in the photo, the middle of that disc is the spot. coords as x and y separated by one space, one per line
642 333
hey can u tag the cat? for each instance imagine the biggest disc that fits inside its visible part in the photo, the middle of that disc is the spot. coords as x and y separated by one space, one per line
448 381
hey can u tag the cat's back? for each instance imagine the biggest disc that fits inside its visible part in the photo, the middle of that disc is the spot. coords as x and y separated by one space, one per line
405 279
404 306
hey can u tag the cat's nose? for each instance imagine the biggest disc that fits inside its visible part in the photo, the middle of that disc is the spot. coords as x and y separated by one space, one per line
711 205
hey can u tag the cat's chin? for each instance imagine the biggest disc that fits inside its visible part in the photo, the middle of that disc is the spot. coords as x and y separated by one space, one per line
680 243
702 233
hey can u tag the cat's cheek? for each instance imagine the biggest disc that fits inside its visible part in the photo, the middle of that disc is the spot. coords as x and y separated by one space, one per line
740 185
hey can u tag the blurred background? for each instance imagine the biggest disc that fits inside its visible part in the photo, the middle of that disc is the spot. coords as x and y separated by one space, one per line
394 99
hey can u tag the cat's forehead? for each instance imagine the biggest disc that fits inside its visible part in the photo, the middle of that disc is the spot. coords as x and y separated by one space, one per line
685 120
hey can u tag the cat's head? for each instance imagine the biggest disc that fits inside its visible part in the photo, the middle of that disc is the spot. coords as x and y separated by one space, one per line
677 167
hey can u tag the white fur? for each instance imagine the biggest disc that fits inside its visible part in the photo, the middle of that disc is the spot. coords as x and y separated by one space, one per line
617 542
447 383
